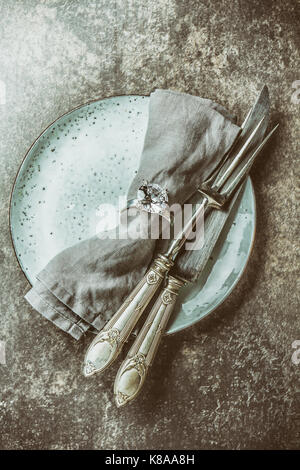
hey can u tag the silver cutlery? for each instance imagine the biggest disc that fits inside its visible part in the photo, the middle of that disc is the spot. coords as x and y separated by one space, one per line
134 368
215 192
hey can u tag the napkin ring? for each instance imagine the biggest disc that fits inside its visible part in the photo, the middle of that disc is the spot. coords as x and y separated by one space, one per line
151 198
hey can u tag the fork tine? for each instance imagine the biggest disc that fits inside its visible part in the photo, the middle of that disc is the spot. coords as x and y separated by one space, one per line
247 164
246 119
224 173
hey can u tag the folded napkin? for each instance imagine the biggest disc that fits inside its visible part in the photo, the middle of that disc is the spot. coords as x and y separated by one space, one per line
83 286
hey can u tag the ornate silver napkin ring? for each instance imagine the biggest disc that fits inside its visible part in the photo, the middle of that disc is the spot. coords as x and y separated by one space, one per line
151 198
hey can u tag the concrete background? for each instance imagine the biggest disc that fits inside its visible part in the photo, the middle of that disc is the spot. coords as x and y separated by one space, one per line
228 382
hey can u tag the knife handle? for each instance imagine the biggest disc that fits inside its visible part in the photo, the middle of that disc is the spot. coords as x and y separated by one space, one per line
133 371
108 344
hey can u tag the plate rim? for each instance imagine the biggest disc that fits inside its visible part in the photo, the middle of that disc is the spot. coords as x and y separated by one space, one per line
87 103
238 278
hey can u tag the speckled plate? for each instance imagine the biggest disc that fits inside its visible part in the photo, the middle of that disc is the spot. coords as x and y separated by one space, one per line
88 157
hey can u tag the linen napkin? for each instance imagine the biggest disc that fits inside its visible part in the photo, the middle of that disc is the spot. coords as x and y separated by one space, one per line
84 285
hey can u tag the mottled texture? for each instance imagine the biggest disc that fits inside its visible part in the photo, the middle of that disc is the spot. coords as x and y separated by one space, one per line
229 382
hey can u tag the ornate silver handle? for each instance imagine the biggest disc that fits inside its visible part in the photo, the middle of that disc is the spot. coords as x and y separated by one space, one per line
134 368
107 345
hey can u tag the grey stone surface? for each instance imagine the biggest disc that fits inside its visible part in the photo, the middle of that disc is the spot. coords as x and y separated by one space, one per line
228 382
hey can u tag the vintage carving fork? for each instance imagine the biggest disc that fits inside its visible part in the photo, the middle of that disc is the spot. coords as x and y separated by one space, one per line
215 192
133 370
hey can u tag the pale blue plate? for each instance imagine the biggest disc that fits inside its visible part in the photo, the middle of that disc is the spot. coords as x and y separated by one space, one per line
88 157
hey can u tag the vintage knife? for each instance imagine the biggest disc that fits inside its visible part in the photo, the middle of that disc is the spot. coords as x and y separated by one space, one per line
133 371
215 192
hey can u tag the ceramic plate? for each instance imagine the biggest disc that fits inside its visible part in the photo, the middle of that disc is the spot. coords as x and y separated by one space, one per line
88 157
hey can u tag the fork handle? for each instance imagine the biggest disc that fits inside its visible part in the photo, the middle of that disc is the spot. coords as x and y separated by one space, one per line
108 344
134 368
